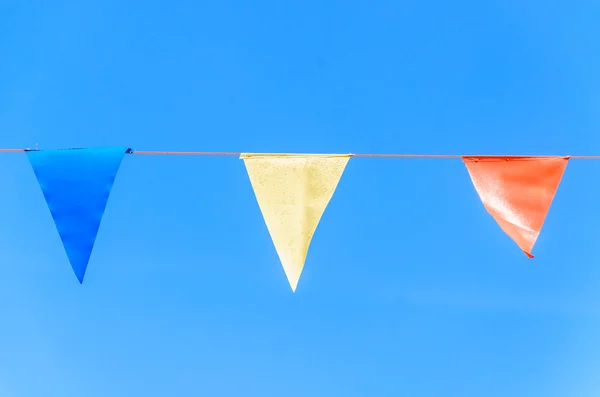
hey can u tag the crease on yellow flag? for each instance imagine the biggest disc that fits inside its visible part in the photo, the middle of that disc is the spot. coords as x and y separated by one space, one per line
293 191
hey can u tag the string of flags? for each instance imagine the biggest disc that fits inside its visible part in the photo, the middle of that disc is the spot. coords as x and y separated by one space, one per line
292 192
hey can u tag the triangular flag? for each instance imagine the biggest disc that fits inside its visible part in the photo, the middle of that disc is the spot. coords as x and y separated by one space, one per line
293 191
76 184
517 192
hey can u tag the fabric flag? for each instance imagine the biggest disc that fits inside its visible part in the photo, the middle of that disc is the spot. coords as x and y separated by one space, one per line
517 192
76 184
293 191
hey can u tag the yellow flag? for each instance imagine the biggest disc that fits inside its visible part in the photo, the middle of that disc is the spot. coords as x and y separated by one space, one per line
293 191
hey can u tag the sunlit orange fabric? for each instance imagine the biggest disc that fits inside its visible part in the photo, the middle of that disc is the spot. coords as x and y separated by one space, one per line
517 192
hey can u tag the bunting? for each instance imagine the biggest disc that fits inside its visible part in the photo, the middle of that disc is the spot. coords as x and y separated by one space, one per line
293 191
517 192
76 184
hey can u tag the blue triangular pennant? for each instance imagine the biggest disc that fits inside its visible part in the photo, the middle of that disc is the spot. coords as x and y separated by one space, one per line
76 184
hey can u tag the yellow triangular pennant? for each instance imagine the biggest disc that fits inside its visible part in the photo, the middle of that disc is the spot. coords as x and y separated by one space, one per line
293 191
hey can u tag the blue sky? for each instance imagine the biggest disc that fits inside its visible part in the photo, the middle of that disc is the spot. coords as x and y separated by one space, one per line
410 288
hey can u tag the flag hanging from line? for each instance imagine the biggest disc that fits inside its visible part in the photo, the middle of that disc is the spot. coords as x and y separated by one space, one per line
517 192
76 184
293 191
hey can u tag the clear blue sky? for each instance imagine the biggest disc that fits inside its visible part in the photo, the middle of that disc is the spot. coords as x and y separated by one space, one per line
184 294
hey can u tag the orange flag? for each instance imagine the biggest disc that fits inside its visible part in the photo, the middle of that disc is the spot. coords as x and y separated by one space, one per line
517 192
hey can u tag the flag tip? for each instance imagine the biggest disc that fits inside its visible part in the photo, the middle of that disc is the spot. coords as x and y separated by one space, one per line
80 278
529 255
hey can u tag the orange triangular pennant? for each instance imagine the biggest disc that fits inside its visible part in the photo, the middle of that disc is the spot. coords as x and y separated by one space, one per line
517 192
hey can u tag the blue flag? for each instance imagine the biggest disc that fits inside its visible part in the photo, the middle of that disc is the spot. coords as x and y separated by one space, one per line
76 184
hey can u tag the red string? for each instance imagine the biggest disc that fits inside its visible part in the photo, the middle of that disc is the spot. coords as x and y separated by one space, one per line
396 155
